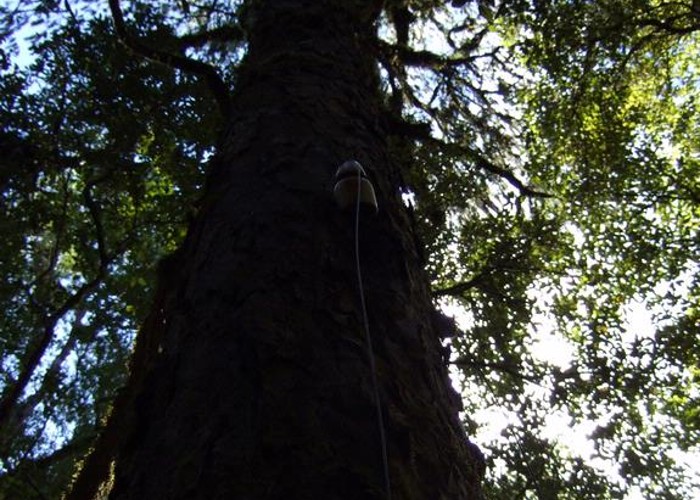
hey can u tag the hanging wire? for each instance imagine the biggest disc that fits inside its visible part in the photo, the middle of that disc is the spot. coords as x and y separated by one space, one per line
368 339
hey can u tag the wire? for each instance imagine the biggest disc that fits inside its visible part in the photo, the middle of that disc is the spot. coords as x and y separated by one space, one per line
368 339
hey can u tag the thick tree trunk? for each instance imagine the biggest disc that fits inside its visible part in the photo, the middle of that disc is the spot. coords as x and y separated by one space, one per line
262 387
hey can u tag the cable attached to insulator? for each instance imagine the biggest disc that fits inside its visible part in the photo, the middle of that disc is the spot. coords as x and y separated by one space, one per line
354 188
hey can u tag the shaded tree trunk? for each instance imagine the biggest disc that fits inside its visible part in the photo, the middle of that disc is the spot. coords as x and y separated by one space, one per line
261 386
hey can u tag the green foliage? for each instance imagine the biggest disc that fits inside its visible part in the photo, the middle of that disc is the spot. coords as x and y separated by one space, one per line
552 152
613 129
600 112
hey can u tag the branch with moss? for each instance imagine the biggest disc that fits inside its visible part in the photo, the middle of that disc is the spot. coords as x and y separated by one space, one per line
478 160
423 58
507 175
422 134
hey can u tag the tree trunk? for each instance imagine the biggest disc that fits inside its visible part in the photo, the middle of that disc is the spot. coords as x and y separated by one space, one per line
262 387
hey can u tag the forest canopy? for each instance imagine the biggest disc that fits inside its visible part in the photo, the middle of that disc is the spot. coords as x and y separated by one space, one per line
550 157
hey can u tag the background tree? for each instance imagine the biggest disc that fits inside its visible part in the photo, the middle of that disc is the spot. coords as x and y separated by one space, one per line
549 151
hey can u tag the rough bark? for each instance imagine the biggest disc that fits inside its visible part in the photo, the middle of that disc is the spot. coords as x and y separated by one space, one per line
262 386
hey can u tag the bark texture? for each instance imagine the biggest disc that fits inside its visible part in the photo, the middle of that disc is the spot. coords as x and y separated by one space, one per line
262 385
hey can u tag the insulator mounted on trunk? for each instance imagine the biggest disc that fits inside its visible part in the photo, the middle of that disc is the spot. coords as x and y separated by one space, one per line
346 189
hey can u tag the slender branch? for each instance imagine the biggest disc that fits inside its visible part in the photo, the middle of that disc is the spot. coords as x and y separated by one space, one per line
211 76
70 11
35 487
73 447
396 97
97 222
636 47
53 371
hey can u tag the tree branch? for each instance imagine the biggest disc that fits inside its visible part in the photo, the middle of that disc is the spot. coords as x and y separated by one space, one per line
501 366
485 164
422 58
669 25
459 288
221 34
215 83
97 222
96 465
9 401
476 157
509 176
15 392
